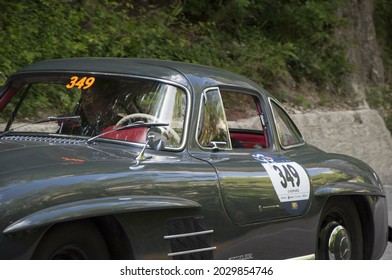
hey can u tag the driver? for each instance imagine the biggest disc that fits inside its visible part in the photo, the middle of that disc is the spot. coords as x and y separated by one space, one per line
98 107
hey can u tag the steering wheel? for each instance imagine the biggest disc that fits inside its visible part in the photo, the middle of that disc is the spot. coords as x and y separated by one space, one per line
152 118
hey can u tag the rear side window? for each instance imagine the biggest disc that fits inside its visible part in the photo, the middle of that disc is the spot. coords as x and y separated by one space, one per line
241 111
288 132
245 120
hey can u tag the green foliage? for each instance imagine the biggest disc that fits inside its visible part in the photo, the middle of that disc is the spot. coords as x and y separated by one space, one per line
266 40
383 23
383 20
279 37
381 96
35 30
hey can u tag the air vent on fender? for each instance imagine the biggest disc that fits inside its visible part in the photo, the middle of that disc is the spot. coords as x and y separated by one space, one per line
189 239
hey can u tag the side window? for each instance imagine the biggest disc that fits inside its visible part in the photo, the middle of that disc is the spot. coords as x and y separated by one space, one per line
212 129
245 120
288 132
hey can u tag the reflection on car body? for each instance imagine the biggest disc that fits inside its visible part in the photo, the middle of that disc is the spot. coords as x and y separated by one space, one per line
150 159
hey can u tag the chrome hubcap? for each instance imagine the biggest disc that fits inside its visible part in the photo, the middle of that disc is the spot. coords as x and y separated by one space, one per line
69 252
339 244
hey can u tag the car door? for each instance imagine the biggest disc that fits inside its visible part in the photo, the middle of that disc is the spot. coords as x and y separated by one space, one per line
256 182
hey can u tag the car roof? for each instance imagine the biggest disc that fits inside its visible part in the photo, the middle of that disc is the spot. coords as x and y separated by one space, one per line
186 74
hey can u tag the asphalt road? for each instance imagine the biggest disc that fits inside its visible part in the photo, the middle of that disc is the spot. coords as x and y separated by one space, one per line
388 252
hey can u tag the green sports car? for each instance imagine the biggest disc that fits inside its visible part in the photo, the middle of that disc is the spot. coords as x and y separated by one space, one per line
115 158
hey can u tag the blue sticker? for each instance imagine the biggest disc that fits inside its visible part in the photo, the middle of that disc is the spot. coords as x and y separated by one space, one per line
268 158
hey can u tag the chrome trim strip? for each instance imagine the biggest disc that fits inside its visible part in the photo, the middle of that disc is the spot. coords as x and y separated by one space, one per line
191 251
45 138
188 234
306 257
274 119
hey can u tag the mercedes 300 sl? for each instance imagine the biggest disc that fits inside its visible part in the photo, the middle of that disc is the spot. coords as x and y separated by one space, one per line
116 158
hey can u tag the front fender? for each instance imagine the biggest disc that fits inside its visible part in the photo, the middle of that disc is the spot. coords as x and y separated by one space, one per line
97 207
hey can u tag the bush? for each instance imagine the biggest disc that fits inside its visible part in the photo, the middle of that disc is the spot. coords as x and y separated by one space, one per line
266 40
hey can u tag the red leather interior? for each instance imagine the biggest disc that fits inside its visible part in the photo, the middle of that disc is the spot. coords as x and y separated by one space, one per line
136 134
6 97
249 140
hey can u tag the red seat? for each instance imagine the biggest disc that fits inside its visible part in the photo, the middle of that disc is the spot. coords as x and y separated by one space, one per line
136 134
6 97
249 140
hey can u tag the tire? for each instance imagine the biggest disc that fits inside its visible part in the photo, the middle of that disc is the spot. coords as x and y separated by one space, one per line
340 231
79 240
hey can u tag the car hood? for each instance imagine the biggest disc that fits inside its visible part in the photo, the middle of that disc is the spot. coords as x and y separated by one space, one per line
26 158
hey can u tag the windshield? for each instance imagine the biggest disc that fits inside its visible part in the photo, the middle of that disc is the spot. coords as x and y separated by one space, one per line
103 103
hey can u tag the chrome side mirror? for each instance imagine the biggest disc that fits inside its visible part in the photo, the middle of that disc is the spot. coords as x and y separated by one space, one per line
157 138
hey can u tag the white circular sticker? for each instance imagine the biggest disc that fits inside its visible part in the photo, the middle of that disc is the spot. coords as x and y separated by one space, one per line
290 180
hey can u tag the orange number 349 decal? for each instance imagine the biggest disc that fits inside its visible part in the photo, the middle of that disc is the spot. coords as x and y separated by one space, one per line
82 83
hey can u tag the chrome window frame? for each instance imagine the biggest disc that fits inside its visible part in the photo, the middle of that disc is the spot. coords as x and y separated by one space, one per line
270 101
229 148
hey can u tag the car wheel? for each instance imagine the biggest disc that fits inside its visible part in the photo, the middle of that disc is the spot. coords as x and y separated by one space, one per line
340 231
79 240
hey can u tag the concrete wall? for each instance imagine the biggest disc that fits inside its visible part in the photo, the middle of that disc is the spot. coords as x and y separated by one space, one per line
361 134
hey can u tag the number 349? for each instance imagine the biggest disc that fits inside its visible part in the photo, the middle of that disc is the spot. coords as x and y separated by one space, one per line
82 83
288 174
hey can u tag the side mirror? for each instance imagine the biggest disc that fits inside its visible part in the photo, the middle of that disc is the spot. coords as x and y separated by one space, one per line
157 138
3 79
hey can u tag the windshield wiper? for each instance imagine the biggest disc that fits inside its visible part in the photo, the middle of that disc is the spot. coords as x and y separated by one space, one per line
132 125
75 119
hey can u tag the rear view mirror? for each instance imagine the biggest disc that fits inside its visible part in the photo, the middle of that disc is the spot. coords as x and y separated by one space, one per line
3 79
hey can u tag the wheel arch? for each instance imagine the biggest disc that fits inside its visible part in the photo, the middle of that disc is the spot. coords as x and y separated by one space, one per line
112 232
116 239
362 205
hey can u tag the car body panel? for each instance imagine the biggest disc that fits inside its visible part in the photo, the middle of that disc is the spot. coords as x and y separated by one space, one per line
224 203
97 207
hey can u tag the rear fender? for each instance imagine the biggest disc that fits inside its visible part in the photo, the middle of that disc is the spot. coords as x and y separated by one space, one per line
350 188
97 207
